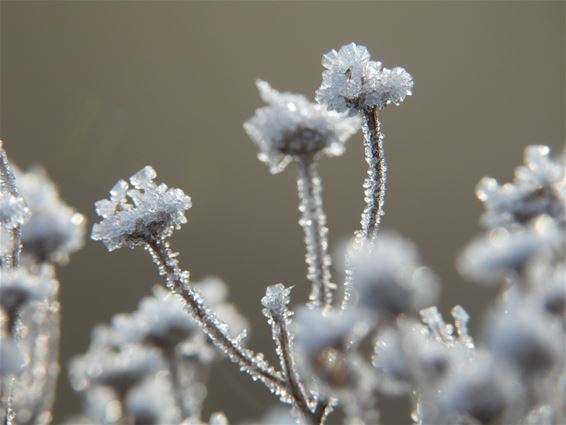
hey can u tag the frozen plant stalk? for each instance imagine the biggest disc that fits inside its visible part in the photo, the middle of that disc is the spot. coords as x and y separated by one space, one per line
293 128
352 83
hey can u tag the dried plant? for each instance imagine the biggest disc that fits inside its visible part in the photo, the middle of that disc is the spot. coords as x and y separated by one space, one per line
150 366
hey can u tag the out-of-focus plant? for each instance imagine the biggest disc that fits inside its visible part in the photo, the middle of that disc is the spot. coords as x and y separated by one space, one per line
150 366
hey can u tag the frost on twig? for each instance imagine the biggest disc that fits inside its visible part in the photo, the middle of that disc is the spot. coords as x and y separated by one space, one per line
293 128
146 215
352 83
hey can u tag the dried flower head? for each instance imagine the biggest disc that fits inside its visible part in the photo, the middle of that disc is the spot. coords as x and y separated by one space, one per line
502 253
291 126
539 188
118 369
388 276
19 287
134 216
352 82
54 230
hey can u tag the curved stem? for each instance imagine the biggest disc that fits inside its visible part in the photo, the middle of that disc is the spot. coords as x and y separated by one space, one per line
313 221
177 281
284 350
377 174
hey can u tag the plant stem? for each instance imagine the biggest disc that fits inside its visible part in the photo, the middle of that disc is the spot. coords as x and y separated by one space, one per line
8 184
177 281
374 184
313 221
174 374
285 353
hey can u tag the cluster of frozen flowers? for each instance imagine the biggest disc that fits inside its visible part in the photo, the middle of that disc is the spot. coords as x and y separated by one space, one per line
150 366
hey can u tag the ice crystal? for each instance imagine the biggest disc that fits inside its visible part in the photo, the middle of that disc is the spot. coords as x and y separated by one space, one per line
276 300
539 188
147 211
351 81
292 127
54 230
388 276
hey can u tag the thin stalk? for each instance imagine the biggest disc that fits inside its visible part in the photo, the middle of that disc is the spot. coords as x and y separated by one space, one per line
285 353
313 221
374 184
177 281
374 191
8 184
174 373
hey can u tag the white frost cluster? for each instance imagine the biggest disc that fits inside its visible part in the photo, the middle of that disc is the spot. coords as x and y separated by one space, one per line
539 188
54 230
291 126
507 253
352 82
19 287
137 215
388 276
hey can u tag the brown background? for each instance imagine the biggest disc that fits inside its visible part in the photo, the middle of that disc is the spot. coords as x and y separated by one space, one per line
95 90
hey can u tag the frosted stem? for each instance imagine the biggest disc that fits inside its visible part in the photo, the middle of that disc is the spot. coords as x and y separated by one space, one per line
374 185
284 343
374 190
313 222
174 374
8 184
177 281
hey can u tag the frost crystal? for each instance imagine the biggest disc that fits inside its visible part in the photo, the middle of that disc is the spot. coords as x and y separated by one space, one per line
54 230
388 276
134 216
276 299
292 127
539 188
352 82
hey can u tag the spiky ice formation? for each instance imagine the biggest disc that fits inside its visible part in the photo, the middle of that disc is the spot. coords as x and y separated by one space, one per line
54 230
147 211
293 127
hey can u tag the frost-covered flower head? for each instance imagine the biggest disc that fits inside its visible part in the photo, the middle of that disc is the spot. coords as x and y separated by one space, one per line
152 403
522 335
120 370
13 211
388 276
324 340
19 287
503 252
483 390
54 230
137 215
352 82
291 127
160 320
539 188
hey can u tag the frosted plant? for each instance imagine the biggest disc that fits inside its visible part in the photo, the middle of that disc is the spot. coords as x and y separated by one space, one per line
150 366
352 83
389 277
54 230
539 188
293 128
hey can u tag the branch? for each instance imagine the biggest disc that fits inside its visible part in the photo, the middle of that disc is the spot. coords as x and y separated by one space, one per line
177 281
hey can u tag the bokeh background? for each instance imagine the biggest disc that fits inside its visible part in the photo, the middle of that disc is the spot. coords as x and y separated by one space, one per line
94 90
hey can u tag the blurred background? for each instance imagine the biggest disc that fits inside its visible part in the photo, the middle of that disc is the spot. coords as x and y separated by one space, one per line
94 90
